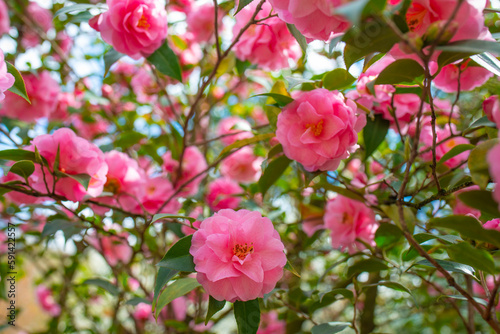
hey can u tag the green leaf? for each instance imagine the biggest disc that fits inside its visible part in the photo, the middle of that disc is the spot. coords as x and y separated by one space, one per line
178 257
330 327
479 123
175 290
450 266
295 81
488 61
106 285
288 266
83 179
478 164
166 61
110 58
137 300
374 134
23 168
275 150
387 235
281 100
17 155
245 142
352 194
402 71
164 275
74 8
273 172
391 285
338 79
353 10
214 306
446 58
130 138
455 151
242 4
69 228
171 216
19 87
247 315
298 36
368 265
476 258
471 46
481 200
460 297
327 298
369 37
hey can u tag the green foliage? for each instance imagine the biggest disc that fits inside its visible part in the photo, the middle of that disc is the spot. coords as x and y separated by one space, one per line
247 315
178 257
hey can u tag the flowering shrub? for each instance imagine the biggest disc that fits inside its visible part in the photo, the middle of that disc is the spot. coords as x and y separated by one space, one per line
251 166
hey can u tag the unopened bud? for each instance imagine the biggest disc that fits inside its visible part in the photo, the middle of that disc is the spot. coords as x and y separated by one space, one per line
434 30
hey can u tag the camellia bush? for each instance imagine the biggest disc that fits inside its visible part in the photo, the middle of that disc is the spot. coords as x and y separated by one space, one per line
258 166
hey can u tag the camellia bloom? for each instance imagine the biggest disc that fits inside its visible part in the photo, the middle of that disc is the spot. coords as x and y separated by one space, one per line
193 163
493 158
133 27
114 248
240 127
349 220
220 194
319 129
470 77
314 19
43 92
460 208
6 79
268 44
76 156
47 301
157 191
4 18
238 255
491 107
42 17
201 22
242 166
493 224
426 138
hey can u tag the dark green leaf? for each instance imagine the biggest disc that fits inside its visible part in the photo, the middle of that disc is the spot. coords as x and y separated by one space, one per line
326 299
288 266
110 58
294 81
165 61
247 315
450 266
481 200
330 327
471 46
402 71
455 151
478 165
374 134
83 179
281 100
391 285
137 300
214 306
175 290
242 4
129 138
298 36
18 155
178 257
245 142
69 228
387 235
477 258
275 150
468 227
352 194
18 88
164 275
23 168
338 79
171 216
106 285
74 8
479 123
368 265
273 172
446 58
460 297
352 10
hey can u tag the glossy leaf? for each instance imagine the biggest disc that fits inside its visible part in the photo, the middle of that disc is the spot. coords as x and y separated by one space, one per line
273 172
166 61
177 289
476 258
472 46
23 168
481 200
402 71
110 58
83 179
298 36
68 228
242 4
450 266
245 142
455 151
330 327
178 257
337 79
106 285
247 315
288 266
488 61
281 100
74 8
374 133
19 88
164 275
368 265
387 235
478 164
214 306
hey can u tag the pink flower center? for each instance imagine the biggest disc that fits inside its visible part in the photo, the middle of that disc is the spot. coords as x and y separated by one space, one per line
112 186
346 219
242 251
415 16
143 23
317 129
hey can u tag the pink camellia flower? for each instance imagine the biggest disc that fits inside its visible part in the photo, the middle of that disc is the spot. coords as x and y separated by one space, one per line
201 22
242 166
114 248
133 27
319 129
20 198
426 138
6 79
4 18
143 312
460 208
478 289
125 181
238 255
470 77
47 301
196 213
240 127
42 18
43 92
65 43
66 100
270 324
157 191
314 19
349 220
268 44
76 156
220 194
491 107
493 224
193 163
144 85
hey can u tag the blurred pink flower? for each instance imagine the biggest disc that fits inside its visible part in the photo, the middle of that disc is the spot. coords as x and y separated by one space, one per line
133 27
89 129
493 224
491 107
426 138
193 163
220 194
6 79
269 44
201 22
270 324
461 209
238 255
43 92
470 77
349 220
114 248
46 300
194 214
4 18
242 166
239 126
319 129
157 191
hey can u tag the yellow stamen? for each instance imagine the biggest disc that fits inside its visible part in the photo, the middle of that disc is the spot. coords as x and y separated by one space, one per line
143 23
317 129
241 251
